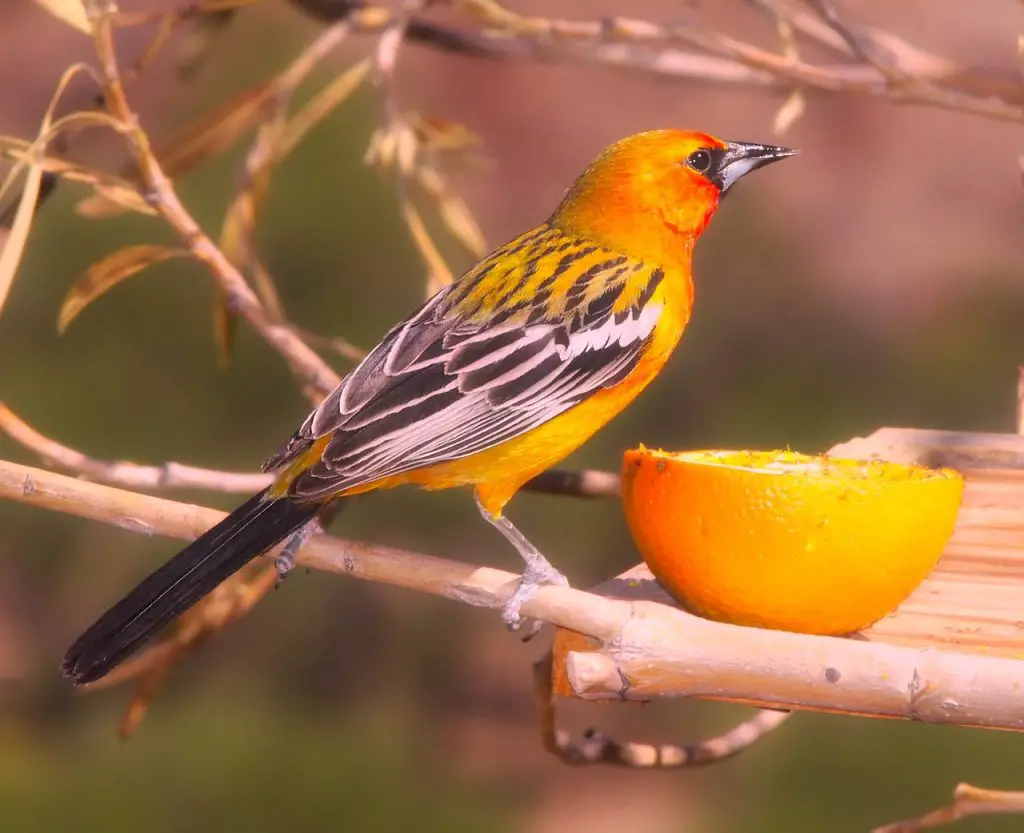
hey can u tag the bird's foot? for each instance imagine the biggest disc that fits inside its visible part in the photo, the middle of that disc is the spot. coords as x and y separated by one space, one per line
538 573
285 561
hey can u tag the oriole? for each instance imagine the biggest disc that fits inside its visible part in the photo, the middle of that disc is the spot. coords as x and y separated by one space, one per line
496 378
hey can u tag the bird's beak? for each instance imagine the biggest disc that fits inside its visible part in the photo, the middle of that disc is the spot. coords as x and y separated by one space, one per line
743 157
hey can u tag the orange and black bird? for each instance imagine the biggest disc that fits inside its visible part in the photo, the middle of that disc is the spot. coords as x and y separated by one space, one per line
496 378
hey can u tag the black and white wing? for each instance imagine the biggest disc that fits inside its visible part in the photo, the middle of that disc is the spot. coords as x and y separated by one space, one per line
439 387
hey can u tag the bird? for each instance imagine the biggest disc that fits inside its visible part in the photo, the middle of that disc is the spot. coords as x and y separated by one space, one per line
495 378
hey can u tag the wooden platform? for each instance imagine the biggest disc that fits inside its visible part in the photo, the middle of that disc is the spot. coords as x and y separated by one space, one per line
973 602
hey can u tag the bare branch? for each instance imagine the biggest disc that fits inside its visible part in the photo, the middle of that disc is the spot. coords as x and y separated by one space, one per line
650 649
862 47
589 483
596 748
625 43
121 473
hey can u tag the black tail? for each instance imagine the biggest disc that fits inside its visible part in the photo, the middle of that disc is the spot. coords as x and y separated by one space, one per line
252 529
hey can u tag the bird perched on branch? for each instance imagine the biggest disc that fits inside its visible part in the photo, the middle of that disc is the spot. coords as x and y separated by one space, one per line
497 377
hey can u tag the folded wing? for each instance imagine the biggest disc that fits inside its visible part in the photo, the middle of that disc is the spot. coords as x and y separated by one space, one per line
440 387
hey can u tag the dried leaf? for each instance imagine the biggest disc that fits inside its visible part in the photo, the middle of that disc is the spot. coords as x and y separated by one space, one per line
14 244
319 107
274 142
237 233
113 188
12 248
790 111
437 134
240 219
150 669
454 212
195 47
380 152
206 137
107 273
438 273
214 132
72 12
112 198
225 326
165 28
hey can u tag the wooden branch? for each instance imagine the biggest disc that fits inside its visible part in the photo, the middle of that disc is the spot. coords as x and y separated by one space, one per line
122 473
652 649
596 748
907 75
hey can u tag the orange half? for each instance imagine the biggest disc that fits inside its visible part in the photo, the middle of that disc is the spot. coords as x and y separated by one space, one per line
781 540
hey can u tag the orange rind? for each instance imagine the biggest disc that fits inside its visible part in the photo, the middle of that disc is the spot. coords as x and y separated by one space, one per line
788 541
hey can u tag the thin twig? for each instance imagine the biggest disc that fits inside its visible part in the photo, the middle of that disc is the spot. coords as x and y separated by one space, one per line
121 473
864 48
967 801
640 45
336 344
596 748
795 104
588 483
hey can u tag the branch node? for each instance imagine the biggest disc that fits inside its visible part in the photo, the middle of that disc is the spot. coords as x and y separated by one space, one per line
594 674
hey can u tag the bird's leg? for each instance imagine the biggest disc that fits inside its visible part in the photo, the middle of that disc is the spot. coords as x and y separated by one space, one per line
538 572
285 561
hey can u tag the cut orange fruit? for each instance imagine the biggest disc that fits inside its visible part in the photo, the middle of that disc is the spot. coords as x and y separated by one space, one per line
787 541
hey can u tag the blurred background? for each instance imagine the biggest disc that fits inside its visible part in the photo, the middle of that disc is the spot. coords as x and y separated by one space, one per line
874 281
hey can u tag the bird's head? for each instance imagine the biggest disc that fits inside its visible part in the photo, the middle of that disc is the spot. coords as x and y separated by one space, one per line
650 194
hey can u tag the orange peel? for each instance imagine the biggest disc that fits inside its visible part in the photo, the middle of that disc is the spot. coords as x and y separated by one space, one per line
788 541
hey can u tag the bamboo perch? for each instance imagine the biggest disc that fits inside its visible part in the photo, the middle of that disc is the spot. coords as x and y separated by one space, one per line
653 650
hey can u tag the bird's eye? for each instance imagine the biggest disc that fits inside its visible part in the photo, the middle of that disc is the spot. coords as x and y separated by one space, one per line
700 161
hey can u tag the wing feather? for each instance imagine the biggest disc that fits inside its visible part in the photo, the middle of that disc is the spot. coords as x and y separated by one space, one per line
442 386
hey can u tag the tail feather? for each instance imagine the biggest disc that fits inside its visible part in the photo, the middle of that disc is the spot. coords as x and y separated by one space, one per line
250 530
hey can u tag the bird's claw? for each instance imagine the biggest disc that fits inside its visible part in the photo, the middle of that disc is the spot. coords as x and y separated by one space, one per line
537 574
285 561
284 564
